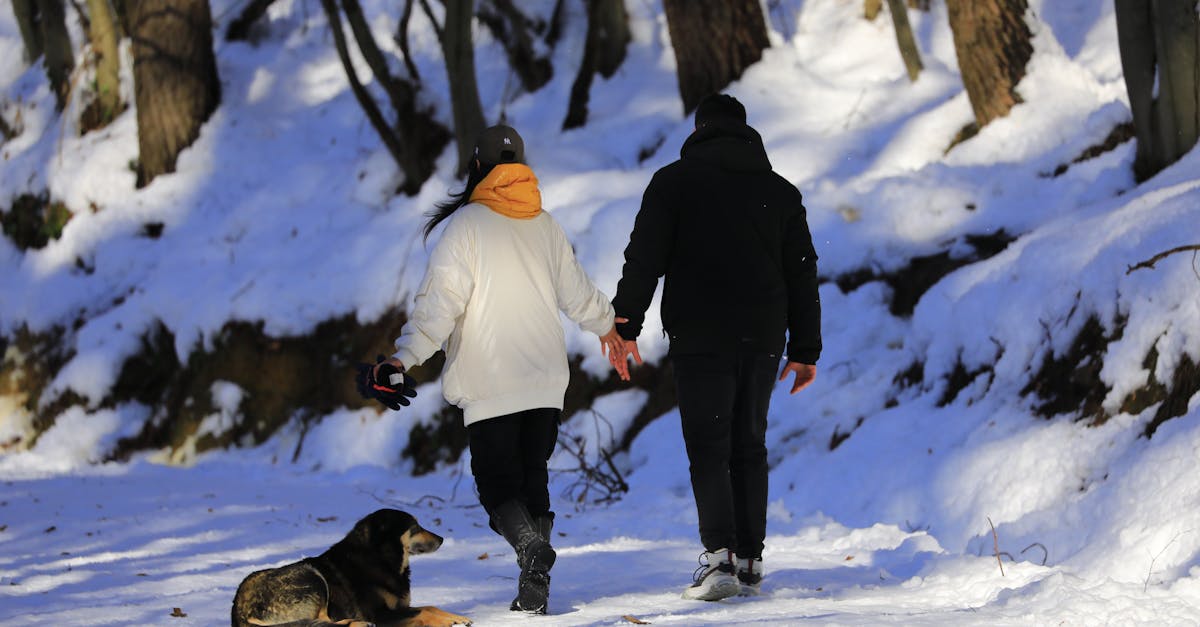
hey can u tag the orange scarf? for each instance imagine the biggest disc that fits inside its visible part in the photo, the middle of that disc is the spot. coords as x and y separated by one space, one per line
510 189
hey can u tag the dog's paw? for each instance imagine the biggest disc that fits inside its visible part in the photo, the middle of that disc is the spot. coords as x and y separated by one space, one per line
435 617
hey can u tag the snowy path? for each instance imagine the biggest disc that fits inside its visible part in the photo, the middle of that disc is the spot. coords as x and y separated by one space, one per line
131 544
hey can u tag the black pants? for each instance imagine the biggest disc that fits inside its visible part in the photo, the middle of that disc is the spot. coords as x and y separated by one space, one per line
508 458
723 403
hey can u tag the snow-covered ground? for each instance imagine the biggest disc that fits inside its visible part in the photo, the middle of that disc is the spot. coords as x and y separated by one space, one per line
282 212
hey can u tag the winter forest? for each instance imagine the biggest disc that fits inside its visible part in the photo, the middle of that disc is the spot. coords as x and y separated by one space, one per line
212 210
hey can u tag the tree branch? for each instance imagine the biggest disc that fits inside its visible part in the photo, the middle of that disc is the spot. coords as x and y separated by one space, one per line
433 20
239 28
364 98
401 40
996 545
1045 552
1149 263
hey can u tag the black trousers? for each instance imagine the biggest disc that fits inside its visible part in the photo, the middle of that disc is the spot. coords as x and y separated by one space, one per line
508 458
723 402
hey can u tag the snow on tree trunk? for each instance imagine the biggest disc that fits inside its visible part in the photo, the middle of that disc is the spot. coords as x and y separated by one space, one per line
607 38
175 79
992 42
459 51
104 35
905 39
714 42
1160 51
56 46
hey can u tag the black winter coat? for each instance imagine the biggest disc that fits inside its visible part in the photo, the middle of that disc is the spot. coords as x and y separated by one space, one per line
732 239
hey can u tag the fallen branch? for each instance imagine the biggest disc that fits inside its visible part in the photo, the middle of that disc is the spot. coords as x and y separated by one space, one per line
1045 553
1149 263
430 501
600 476
1150 571
996 546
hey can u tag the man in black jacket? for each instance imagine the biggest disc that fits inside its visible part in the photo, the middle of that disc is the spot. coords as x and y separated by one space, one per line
731 238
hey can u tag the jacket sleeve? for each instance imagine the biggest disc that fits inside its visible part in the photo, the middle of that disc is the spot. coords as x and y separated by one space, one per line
804 300
646 257
442 296
577 295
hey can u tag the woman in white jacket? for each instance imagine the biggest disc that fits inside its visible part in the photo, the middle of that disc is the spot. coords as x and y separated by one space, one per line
497 279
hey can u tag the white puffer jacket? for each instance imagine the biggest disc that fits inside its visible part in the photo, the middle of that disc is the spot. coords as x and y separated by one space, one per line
492 292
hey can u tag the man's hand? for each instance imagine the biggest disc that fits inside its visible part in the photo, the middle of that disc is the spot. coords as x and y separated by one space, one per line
805 374
621 361
613 347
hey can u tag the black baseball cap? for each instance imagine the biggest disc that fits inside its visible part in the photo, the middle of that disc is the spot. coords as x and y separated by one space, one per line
499 144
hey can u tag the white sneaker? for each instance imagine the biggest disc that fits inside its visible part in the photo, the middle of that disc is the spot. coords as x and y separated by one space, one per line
715 579
749 575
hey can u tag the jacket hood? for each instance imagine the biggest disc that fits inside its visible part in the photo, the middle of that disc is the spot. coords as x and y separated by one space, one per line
510 189
727 145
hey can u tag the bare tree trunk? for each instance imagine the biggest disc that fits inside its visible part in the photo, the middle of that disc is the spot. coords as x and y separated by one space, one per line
1176 37
31 33
374 115
991 40
104 36
459 50
56 45
714 42
1135 38
6 132
239 29
607 38
871 9
511 28
175 79
557 21
1159 41
905 39
416 138
401 40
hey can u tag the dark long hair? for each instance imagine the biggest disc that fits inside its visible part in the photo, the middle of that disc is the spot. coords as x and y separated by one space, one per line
476 171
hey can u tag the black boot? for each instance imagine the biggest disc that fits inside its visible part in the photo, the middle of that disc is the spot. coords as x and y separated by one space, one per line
545 524
535 556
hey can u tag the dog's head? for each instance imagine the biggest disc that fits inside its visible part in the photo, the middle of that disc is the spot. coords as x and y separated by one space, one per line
393 535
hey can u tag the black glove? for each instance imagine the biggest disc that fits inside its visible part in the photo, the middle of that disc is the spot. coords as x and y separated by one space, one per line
393 395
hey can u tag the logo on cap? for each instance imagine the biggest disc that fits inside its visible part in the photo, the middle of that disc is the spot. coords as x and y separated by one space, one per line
507 142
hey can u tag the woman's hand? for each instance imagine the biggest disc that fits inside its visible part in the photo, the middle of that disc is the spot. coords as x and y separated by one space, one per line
390 360
618 349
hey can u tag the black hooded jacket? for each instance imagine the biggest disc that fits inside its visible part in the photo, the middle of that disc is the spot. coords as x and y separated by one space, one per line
732 239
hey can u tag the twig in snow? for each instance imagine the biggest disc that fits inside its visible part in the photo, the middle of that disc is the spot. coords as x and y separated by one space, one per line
996 546
1150 572
1045 553
1149 263
600 475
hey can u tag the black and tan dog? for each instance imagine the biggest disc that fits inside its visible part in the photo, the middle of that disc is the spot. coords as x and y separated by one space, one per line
361 580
